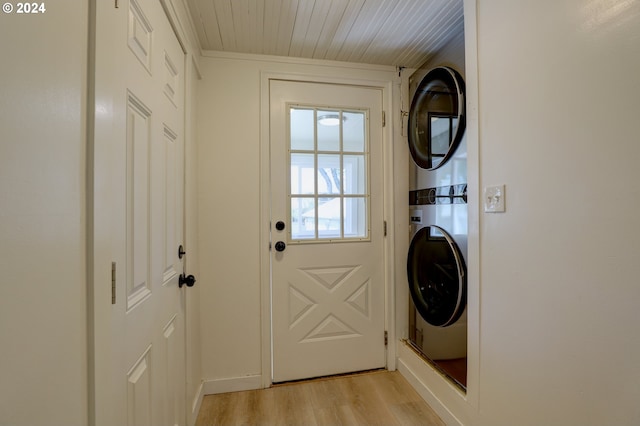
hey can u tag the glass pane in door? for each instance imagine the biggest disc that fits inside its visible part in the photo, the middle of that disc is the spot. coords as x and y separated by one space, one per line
355 177
355 217
329 217
302 174
329 129
303 218
354 131
328 174
301 128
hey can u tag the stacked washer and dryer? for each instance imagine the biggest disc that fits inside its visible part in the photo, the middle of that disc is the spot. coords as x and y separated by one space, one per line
436 263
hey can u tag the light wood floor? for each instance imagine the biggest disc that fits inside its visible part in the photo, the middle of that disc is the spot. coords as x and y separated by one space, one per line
373 398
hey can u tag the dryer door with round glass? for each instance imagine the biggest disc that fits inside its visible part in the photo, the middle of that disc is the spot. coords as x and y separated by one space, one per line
437 276
436 117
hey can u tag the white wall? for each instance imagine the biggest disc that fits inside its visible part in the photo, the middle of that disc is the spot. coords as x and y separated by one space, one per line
558 91
43 322
229 118
228 136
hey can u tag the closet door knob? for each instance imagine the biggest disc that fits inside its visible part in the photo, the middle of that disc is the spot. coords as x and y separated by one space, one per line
188 280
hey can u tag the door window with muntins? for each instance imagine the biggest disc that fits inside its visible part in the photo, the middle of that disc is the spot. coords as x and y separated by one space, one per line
328 174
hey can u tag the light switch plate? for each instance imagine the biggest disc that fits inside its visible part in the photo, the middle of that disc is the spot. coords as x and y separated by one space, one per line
494 199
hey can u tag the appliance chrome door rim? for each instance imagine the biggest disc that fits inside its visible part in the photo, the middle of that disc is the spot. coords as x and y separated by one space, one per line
459 309
461 121
461 272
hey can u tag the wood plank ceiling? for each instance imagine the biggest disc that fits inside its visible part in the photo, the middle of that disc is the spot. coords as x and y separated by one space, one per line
386 32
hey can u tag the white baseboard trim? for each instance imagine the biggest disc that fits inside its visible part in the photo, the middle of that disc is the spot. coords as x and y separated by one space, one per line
232 384
414 370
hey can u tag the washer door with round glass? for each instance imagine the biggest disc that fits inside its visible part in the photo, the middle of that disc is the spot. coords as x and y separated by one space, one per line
437 276
436 117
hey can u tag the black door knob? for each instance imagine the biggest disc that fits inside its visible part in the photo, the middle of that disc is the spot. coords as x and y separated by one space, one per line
188 280
279 225
280 246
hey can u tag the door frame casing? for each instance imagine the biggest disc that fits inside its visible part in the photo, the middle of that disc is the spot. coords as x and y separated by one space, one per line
386 86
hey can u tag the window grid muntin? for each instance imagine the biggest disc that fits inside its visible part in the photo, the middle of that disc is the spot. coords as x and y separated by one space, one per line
365 154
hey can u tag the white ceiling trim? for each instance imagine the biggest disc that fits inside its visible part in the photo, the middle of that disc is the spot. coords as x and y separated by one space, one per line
298 61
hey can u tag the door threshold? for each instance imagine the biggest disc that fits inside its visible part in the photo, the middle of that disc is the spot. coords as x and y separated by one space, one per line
329 377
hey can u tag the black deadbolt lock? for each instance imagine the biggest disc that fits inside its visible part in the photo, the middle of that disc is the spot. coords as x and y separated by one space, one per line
279 225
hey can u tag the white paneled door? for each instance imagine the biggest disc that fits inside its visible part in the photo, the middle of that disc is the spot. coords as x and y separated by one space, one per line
139 354
326 229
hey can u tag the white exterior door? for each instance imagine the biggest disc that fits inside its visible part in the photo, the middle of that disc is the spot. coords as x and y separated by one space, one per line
326 229
139 354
